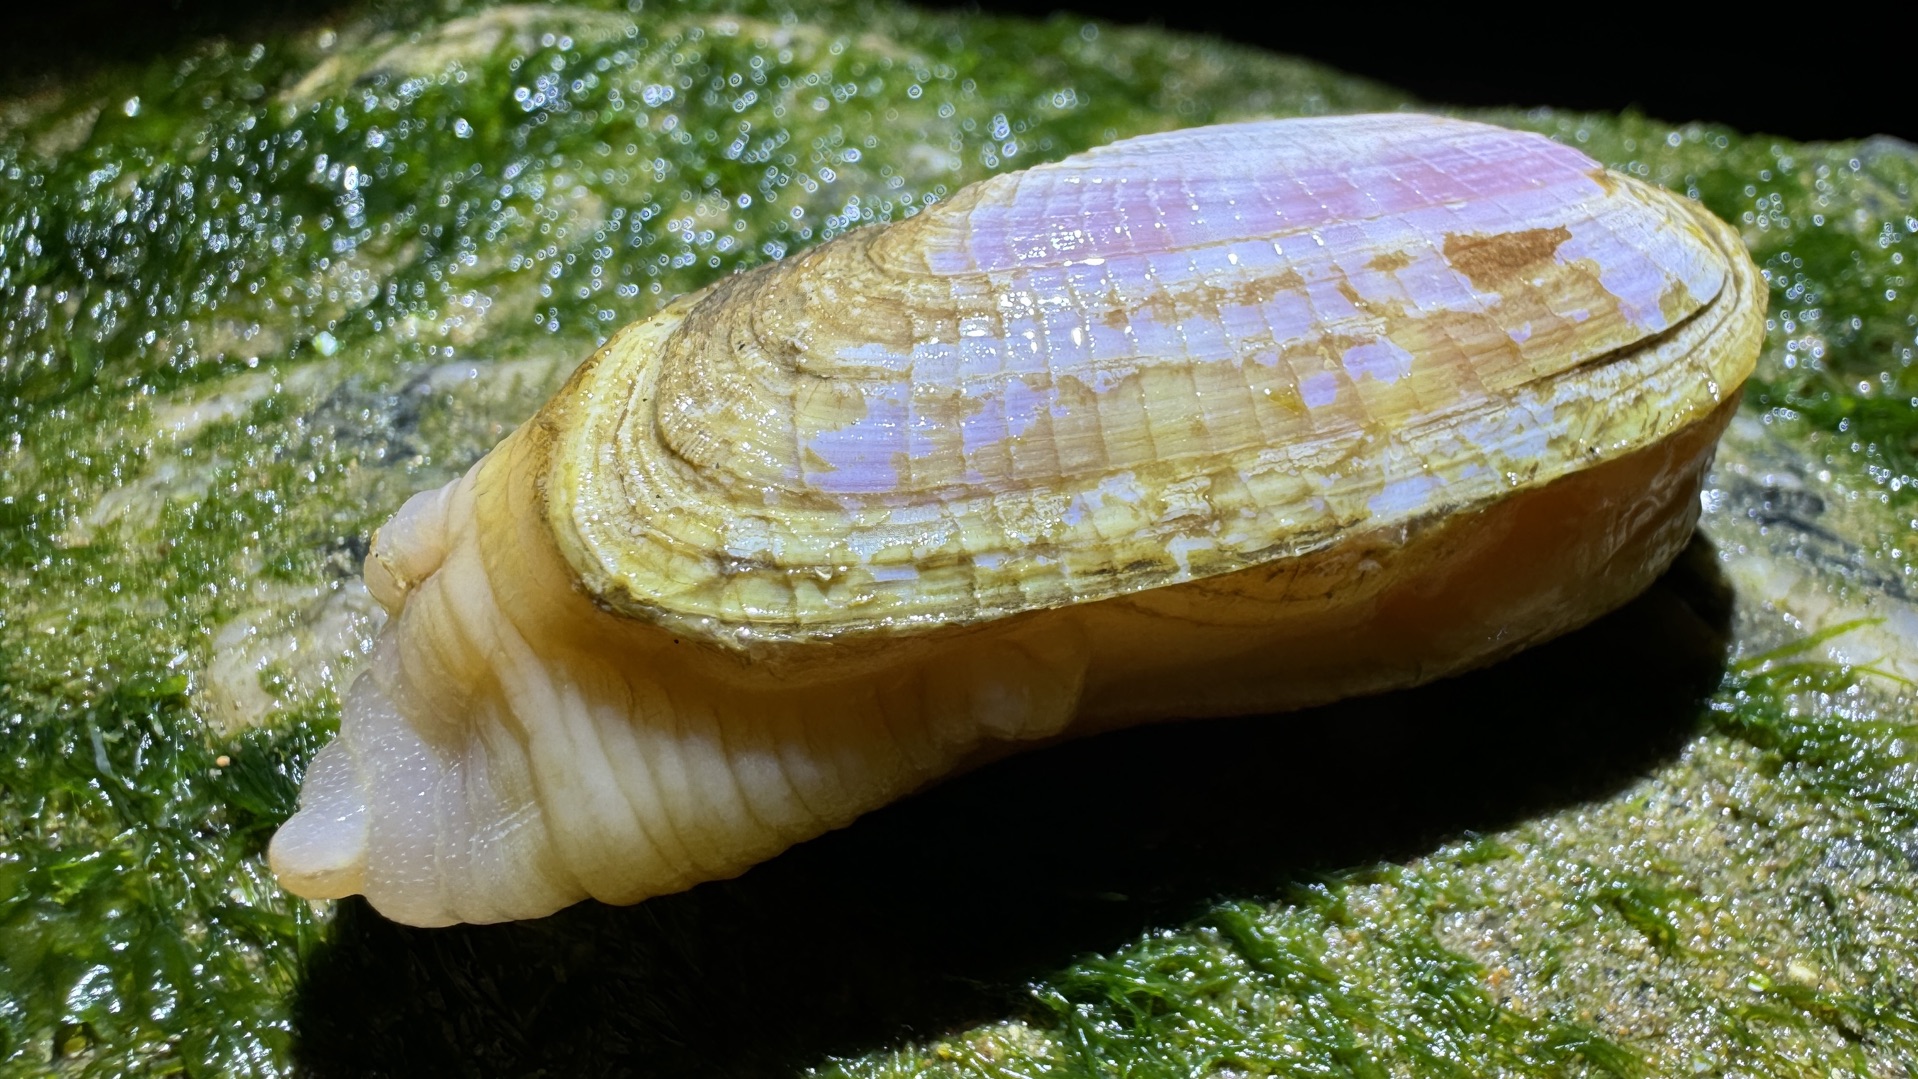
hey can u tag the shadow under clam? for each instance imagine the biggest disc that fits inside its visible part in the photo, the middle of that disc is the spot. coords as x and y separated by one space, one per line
936 913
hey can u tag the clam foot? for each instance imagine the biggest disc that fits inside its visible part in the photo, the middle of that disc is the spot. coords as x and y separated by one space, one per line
259 293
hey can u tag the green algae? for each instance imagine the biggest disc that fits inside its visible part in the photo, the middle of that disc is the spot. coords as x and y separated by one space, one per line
254 294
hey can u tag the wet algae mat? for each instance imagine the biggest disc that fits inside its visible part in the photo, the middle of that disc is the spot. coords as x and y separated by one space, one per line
255 293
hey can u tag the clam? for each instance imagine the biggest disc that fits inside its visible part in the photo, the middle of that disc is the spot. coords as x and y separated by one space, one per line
1237 419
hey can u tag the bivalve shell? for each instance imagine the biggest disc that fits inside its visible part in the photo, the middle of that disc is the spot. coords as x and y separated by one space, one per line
1239 418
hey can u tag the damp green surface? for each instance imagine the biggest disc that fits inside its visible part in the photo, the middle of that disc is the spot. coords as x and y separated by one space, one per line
254 294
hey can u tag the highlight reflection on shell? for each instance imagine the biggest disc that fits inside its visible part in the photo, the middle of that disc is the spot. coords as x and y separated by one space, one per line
1239 418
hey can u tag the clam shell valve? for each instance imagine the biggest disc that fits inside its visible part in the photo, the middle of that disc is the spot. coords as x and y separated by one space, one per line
1236 419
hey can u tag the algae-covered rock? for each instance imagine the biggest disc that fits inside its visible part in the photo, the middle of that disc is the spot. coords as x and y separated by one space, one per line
254 294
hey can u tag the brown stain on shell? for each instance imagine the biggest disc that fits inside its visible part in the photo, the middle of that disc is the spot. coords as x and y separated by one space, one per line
1199 300
1491 261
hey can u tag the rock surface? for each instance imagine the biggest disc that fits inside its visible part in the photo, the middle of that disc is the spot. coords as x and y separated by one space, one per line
255 294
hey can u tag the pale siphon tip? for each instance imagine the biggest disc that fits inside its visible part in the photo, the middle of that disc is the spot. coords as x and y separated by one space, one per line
321 852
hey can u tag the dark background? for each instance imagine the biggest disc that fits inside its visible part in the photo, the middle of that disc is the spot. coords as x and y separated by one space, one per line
1834 70
1825 71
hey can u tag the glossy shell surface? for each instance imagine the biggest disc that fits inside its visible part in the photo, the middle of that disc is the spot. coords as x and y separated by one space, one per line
1166 359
